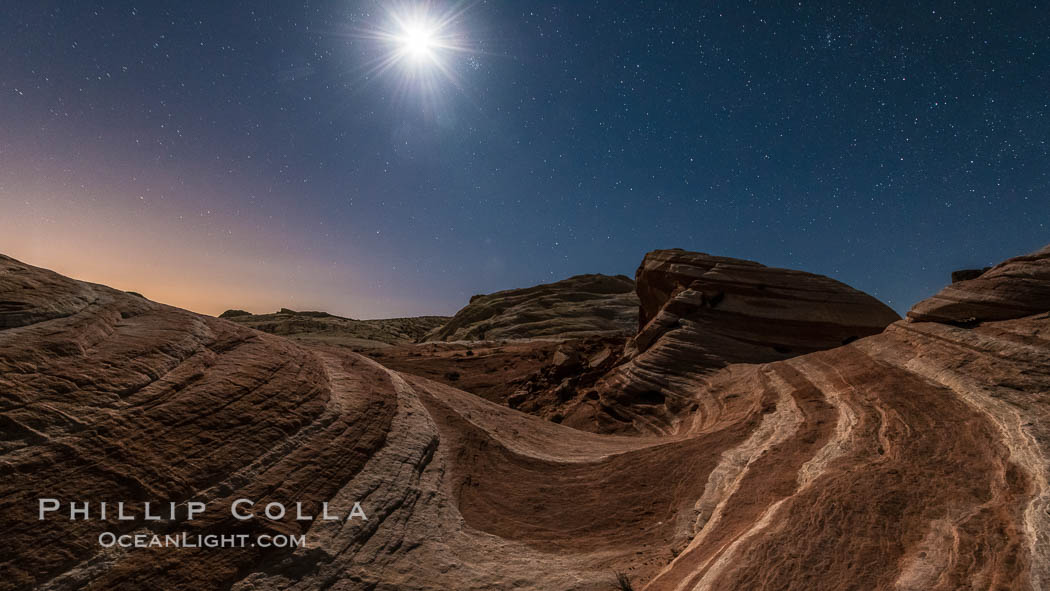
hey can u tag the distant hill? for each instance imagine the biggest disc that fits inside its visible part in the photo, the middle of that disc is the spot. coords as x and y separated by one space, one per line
583 305
325 328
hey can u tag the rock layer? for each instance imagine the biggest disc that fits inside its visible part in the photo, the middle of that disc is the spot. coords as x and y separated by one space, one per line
916 458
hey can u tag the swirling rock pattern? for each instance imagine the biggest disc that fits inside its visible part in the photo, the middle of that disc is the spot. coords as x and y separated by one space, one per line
916 458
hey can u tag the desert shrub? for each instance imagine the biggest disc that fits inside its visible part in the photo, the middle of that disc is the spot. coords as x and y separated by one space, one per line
623 582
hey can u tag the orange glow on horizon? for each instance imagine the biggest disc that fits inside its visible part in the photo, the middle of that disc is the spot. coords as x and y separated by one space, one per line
185 265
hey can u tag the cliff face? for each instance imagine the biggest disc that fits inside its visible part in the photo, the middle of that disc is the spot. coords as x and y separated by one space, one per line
915 458
584 305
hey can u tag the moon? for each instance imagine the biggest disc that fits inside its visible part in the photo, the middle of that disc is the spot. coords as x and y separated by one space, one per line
421 39
418 42
420 48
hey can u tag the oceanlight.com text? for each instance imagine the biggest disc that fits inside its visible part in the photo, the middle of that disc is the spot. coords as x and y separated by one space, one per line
186 540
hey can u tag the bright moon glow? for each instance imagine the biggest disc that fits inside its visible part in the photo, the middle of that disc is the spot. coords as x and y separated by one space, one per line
420 37
418 42
420 48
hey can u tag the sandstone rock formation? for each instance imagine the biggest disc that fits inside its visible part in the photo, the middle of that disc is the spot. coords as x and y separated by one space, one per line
916 458
583 305
325 328
700 313
1014 288
967 274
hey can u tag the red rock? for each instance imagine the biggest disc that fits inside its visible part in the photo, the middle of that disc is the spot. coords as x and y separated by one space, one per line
915 458
700 313
1014 288
966 274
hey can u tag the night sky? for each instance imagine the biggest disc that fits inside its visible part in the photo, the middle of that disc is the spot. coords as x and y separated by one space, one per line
257 155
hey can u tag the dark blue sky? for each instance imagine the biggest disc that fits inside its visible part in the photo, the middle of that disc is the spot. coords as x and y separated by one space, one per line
250 155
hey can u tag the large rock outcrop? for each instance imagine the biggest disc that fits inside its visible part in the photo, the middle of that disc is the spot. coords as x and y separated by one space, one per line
584 305
743 311
1012 289
700 313
916 458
